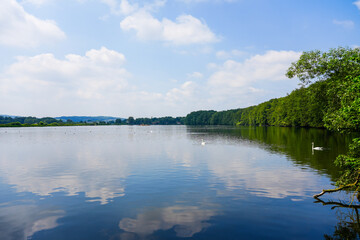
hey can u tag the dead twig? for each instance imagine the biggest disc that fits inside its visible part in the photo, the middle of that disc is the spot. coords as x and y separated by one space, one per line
339 188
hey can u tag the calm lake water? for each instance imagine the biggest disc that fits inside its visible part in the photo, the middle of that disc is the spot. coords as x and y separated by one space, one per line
159 182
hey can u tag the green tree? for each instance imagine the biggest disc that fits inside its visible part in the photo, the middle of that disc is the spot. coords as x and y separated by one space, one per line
118 121
131 120
339 69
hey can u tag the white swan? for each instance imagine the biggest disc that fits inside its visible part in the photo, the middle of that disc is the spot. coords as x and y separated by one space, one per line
316 148
202 142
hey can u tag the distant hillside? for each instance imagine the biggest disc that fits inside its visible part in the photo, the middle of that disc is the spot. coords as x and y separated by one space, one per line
12 116
87 118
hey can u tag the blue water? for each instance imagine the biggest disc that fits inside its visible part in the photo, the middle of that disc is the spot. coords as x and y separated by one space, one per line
159 182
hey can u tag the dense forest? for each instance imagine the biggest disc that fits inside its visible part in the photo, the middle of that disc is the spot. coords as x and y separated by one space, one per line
303 107
7 121
155 121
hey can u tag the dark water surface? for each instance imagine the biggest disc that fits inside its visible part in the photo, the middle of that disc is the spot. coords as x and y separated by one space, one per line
159 182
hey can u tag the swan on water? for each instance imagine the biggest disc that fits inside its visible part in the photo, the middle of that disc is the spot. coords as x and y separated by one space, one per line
316 148
202 142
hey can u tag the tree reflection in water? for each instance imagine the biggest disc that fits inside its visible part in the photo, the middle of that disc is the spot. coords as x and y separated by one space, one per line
348 226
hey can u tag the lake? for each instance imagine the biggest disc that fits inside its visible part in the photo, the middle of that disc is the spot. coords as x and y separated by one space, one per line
160 182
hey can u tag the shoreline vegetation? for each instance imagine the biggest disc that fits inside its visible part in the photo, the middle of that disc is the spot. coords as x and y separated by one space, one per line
7 121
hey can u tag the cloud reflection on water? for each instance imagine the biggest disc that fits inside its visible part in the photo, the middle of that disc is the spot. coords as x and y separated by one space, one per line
97 161
23 221
186 221
272 182
243 165
65 160
152 168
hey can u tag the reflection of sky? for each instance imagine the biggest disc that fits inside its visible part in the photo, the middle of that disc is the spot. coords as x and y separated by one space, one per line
151 166
92 160
97 161
262 174
68 160
239 165
22 221
186 221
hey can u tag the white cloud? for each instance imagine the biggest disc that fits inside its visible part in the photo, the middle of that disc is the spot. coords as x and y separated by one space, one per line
185 91
357 4
200 1
36 2
196 75
268 67
236 84
123 7
45 81
233 84
145 25
345 24
154 6
185 30
229 54
243 83
177 101
98 83
21 29
222 54
117 7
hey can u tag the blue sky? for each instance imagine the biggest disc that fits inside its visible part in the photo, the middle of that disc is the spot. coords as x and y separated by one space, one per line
156 57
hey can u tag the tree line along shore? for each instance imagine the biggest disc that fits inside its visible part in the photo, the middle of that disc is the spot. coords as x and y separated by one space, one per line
6 121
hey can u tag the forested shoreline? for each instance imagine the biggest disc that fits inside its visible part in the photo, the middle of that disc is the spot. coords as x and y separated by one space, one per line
303 107
7 121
